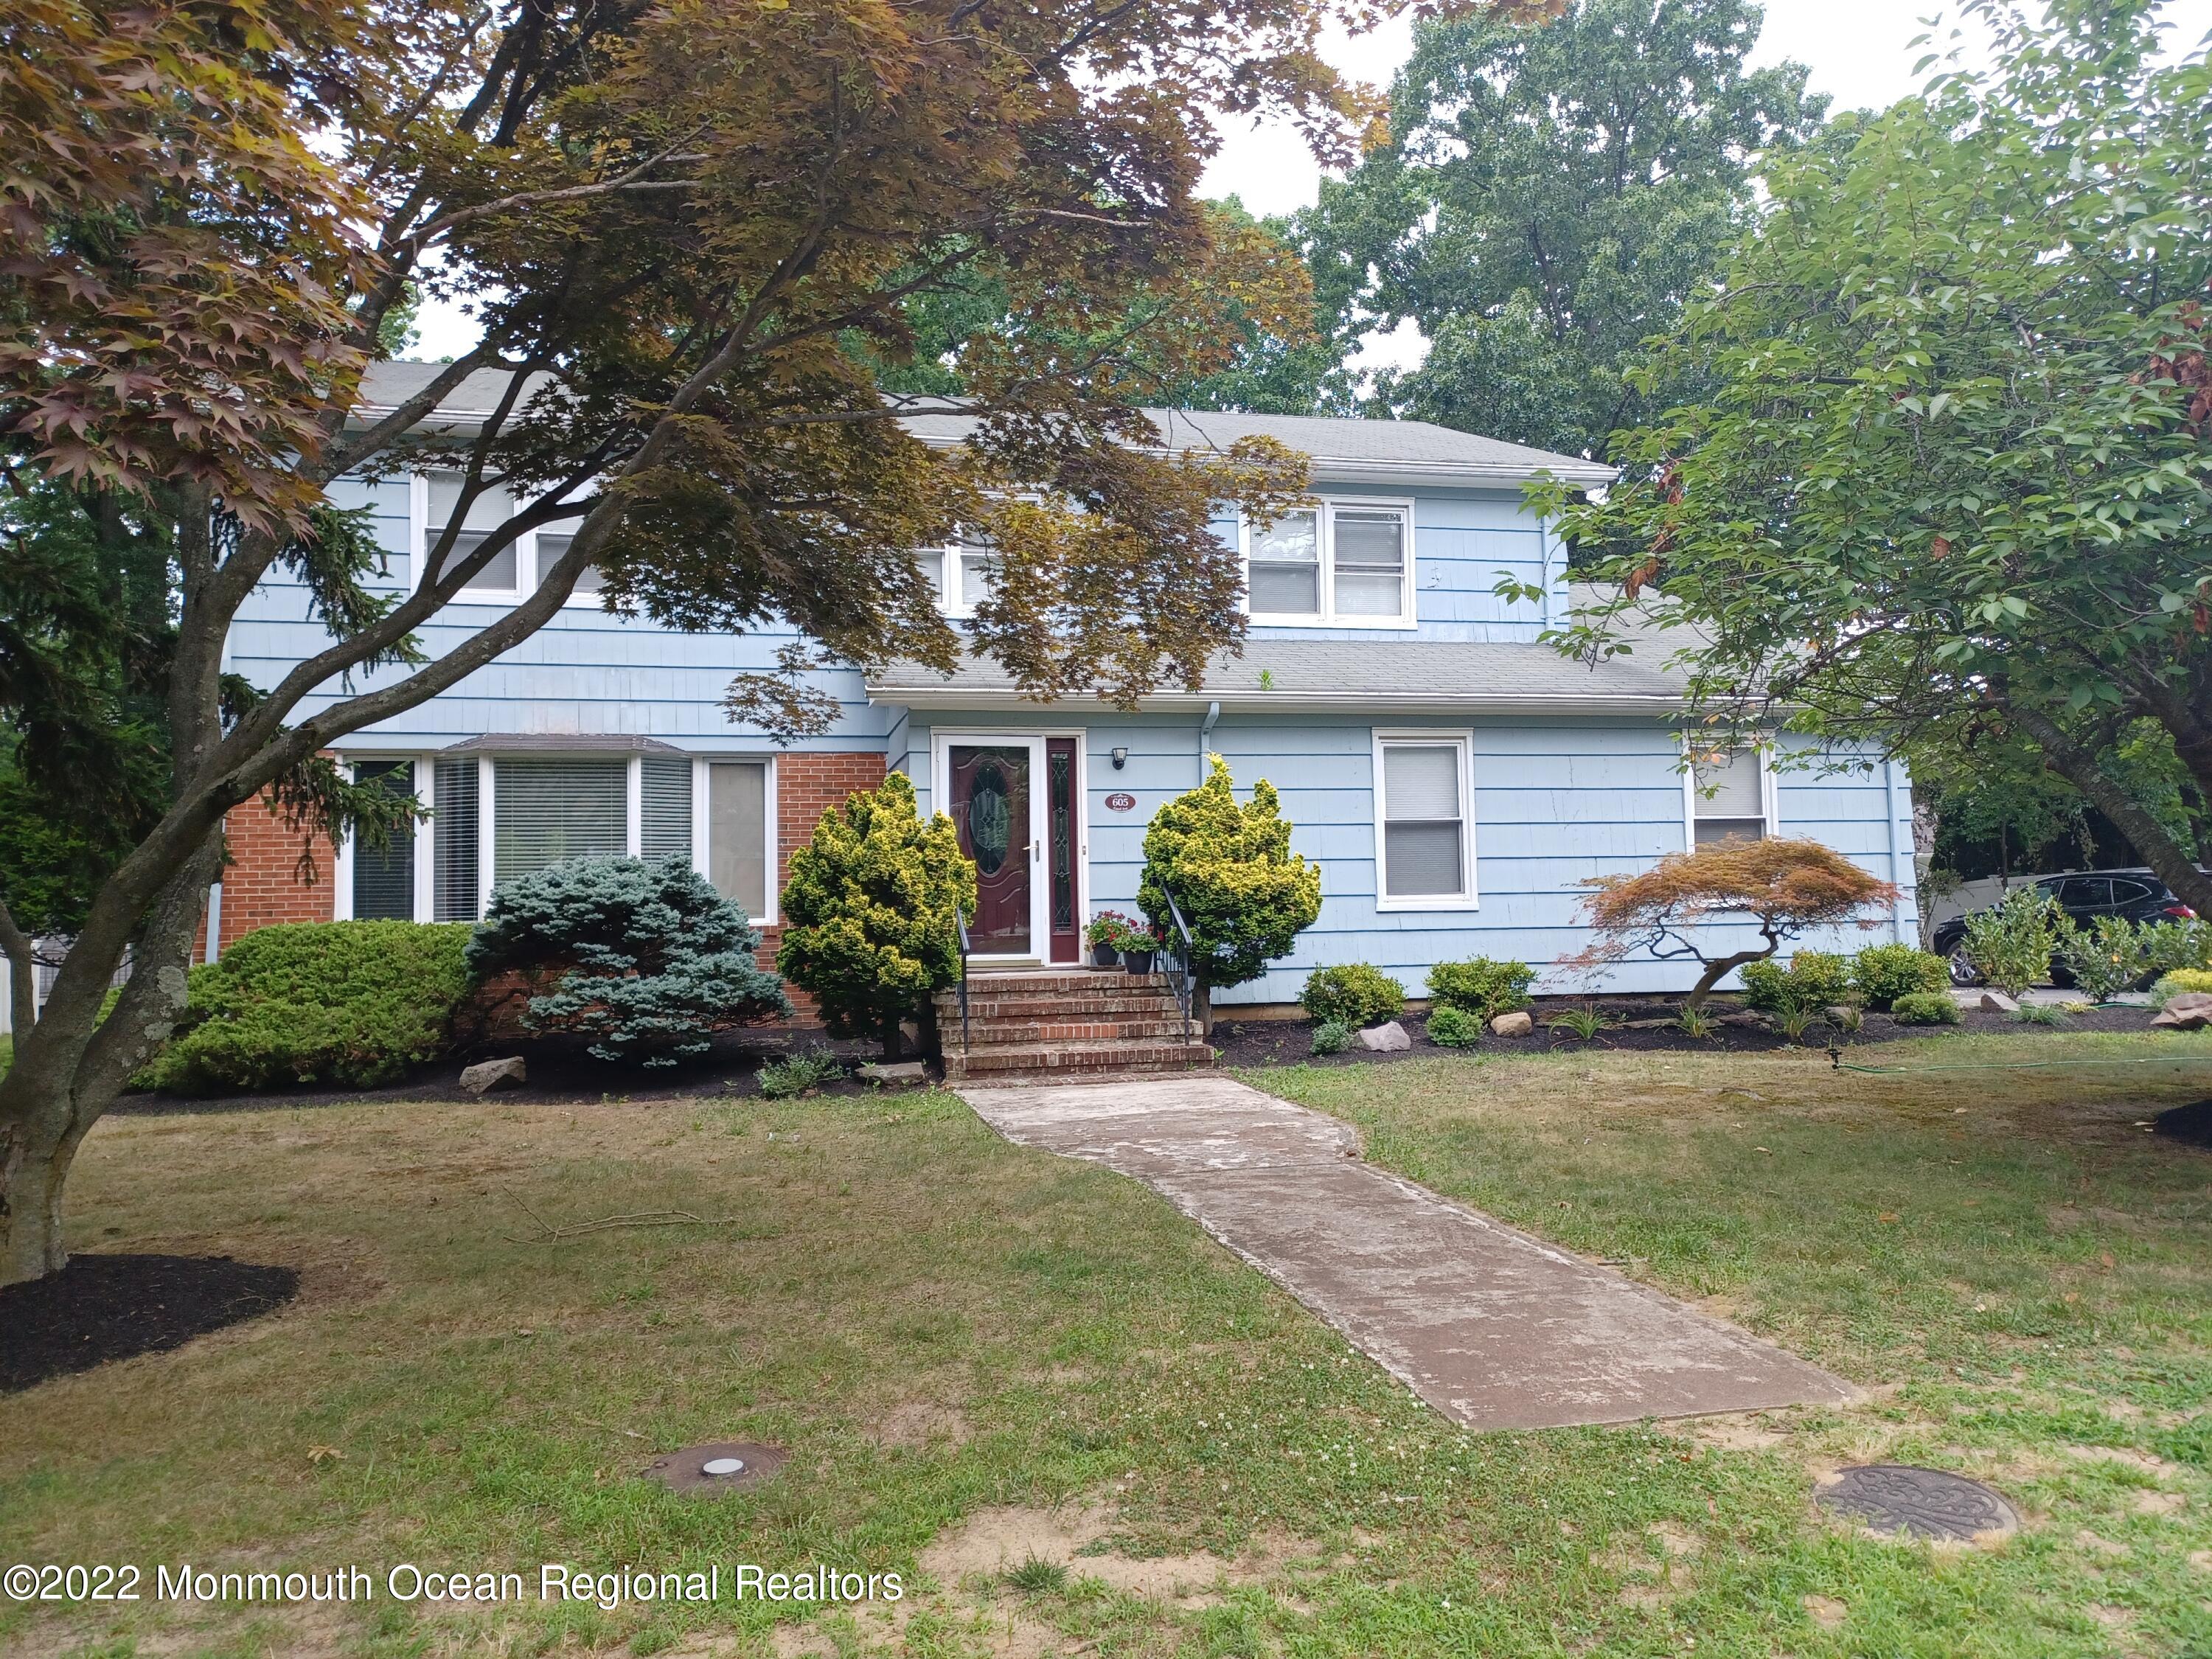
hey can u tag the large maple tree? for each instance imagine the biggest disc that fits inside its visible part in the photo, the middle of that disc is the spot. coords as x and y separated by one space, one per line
693 232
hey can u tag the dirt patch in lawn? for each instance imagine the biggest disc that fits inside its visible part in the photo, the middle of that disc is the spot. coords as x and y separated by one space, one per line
101 1308
1644 1028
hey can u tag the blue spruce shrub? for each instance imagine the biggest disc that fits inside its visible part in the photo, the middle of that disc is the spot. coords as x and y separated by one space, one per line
652 961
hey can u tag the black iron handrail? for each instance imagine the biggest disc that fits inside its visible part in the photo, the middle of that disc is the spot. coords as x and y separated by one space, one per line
1185 949
961 922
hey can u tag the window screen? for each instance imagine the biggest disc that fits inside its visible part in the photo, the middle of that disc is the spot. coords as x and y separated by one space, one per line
1286 567
979 570
491 508
1370 563
1423 835
454 831
664 807
552 548
384 876
545 810
737 832
1727 801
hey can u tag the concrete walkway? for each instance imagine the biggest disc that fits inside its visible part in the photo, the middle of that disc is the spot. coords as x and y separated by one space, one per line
1496 1329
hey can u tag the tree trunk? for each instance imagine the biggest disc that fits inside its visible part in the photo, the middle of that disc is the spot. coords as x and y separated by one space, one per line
2079 766
1926 823
1719 969
69 1069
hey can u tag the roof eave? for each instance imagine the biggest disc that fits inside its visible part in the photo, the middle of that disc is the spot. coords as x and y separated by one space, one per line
1449 474
954 697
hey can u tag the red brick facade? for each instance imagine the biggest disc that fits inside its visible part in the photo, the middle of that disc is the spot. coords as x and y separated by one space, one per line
261 885
806 787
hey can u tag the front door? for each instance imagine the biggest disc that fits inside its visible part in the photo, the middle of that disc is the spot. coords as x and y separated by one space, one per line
991 793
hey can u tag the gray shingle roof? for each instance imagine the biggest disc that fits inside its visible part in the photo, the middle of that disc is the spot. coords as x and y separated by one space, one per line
1340 448
1382 673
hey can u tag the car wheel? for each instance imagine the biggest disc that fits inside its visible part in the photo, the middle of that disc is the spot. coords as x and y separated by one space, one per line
1963 972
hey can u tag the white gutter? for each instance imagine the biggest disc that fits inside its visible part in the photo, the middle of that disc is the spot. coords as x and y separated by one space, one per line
955 697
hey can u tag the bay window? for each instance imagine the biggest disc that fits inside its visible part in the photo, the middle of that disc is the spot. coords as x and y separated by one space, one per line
1346 564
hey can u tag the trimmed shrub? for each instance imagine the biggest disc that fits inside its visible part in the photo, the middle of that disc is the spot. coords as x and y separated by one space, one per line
350 1002
1481 987
644 957
2011 944
1454 1028
2181 980
1245 894
872 912
1331 1036
2173 946
1925 1008
1354 995
2106 957
1812 980
1883 973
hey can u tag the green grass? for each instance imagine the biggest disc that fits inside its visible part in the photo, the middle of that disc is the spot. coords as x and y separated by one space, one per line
961 1342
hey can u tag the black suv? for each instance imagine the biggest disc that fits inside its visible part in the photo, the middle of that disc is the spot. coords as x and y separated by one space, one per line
2136 895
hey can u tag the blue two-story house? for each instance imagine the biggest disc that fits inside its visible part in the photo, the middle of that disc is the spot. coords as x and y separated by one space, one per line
1453 779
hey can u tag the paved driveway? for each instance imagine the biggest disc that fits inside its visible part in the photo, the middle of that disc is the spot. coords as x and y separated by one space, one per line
1496 1329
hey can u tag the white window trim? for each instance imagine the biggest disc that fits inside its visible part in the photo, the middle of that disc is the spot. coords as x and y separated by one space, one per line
1327 507
525 553
425 784
772 892
955 604
1769 799
1472 899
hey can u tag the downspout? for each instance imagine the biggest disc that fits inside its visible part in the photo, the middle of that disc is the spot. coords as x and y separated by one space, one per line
1206 736
1897 905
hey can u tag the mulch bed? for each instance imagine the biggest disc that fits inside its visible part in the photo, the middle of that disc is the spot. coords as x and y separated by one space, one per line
560 1075
2191 1125
101 1308
1285 1043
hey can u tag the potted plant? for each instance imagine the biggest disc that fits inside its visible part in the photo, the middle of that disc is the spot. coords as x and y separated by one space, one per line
1139 949
1106 932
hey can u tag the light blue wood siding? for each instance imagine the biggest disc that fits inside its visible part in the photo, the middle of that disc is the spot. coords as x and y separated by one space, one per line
1556 802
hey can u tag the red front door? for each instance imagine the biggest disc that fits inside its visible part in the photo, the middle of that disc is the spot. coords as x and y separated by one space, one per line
989 801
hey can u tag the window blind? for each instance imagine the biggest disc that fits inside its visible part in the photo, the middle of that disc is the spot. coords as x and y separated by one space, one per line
1424 839
1737 808
384 876
492 508
737 833
664 807
1370 563
453 824
1284 577
547 809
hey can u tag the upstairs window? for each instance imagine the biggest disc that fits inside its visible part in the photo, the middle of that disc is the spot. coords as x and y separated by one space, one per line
1342 564
1729 797
516 568
961 573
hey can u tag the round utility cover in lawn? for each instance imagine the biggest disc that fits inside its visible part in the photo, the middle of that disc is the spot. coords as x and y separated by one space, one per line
1898 1499
722 1466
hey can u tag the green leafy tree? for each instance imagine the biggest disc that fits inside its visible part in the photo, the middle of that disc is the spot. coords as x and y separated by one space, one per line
1957 466
1550 197
871 912
1244 894
641 956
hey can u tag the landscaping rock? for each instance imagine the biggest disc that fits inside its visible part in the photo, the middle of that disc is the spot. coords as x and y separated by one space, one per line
1513 1025
2190 1012
487 1075
1388 1039
1997 1002
892 1074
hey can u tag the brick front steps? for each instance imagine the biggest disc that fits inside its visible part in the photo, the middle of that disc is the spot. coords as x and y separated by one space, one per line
1067 1025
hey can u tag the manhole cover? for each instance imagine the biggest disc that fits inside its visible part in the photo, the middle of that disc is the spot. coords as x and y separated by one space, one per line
1895 1497
724 1466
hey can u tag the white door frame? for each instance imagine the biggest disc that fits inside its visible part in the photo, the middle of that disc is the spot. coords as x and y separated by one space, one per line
941 740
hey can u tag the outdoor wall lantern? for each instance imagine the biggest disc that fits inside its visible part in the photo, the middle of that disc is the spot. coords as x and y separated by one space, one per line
1121 758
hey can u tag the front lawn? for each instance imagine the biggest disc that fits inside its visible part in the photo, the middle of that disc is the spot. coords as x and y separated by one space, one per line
976 1354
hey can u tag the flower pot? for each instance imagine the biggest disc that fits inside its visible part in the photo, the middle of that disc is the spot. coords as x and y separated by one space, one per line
1138 962
1105 955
